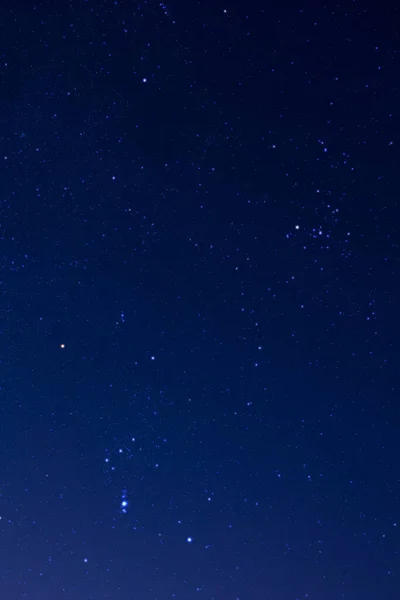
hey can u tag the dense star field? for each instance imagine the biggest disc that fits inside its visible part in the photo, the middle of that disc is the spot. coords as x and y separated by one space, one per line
199 291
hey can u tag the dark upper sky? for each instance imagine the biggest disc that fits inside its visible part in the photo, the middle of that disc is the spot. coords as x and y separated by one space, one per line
199 301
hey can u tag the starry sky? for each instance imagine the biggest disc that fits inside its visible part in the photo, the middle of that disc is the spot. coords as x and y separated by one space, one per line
199 289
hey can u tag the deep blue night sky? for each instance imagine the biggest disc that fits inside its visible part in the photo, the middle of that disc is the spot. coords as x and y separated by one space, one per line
199 300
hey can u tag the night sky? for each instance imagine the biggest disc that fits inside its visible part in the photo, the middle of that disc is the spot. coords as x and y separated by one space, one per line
199 291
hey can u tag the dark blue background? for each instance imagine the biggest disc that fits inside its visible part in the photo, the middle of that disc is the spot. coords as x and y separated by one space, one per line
200 201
